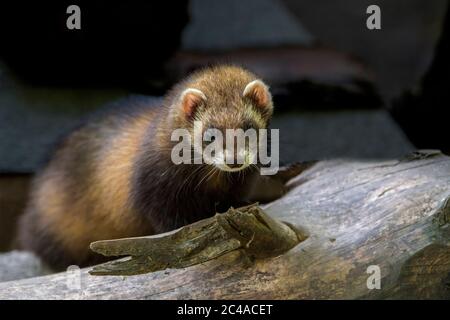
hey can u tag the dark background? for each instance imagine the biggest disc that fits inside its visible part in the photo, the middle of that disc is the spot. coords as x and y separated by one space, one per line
340 89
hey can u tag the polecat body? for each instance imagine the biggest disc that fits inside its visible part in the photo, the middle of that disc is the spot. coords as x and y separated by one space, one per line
114 176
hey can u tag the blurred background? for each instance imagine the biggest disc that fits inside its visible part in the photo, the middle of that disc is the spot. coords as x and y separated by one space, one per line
340 89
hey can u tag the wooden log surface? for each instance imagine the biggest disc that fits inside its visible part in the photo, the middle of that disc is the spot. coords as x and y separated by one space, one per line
248 229
391 214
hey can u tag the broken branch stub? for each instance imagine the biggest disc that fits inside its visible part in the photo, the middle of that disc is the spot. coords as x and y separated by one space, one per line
248 229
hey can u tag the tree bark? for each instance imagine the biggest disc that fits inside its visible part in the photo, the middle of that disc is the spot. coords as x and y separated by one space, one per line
247 229
393 215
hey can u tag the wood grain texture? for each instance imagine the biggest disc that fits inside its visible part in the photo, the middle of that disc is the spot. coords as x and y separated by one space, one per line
248 229
393 214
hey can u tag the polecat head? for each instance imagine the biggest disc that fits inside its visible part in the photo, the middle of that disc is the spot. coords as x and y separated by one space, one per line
220 101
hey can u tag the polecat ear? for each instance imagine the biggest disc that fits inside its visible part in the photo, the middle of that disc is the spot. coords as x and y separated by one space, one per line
190 100
259 93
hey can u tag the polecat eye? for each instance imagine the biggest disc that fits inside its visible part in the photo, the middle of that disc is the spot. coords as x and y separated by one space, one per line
247 126
210 135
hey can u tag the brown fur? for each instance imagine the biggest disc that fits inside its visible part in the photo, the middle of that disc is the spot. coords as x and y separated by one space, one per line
114 177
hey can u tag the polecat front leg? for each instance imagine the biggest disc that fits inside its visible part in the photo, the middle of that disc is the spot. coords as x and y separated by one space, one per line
269 188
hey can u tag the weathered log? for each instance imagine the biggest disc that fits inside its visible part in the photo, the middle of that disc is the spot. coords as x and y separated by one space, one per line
248 229
393 215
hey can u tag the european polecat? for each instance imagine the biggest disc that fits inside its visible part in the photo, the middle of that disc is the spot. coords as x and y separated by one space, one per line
114 176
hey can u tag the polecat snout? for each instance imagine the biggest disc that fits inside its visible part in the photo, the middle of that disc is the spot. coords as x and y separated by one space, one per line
114 177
